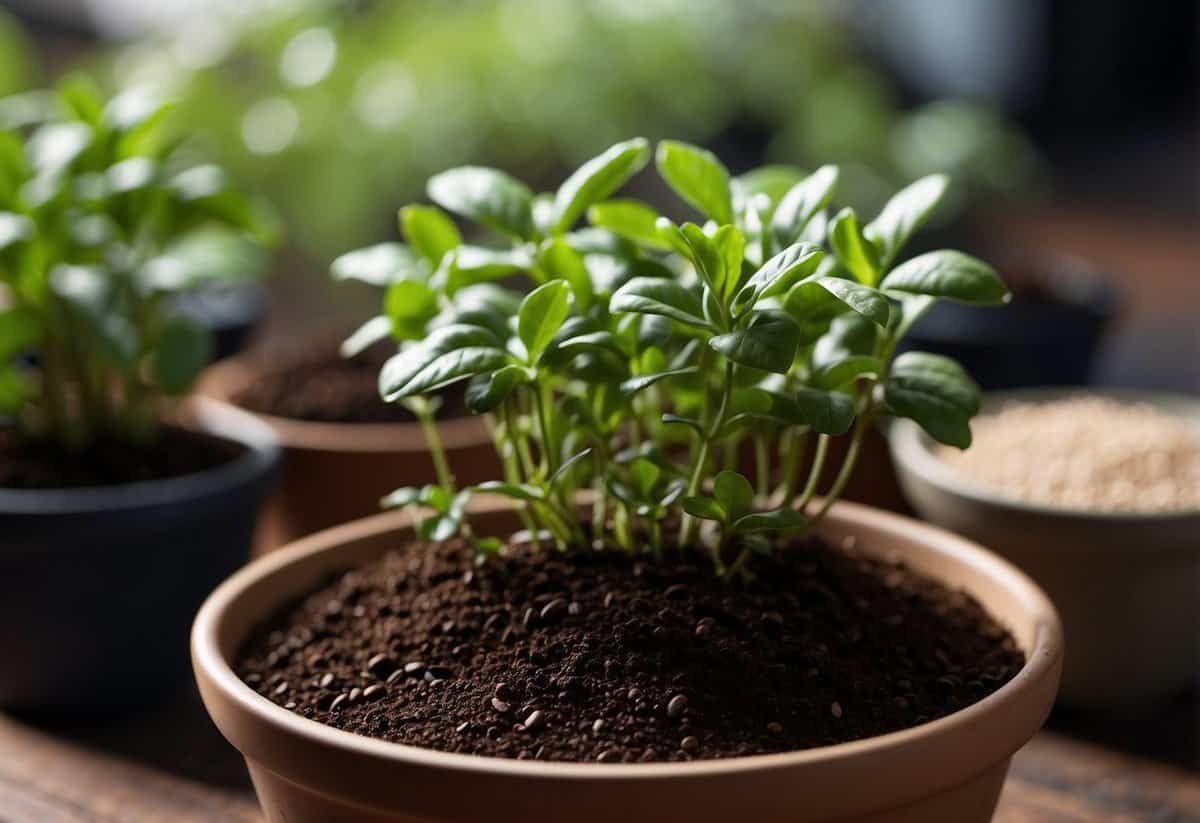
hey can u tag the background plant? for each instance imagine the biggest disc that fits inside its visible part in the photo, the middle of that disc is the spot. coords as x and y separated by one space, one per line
335 107
648 352
105 214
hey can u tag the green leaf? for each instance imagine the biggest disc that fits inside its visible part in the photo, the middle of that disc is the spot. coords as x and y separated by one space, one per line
906 212
801 203
55 146
205 190
486 392
378 265
731 246
88 290
14 228
734 493
935 392
597 179
718 259
776 520
182 349
863 299
401 497
487 196
630 219
675 419
449 353
20 328
635 384
517 491
704 508
368 334
645 475
838 373
768 342
825 412
429 232
541 315
410 305
852 248
772 182
468 265
566 467
950 274
779 273
698 177
559 261
659 296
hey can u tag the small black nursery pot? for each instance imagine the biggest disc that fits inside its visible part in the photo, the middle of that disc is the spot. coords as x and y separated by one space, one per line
100 584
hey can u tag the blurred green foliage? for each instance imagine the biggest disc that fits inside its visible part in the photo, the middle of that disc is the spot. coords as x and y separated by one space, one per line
335 108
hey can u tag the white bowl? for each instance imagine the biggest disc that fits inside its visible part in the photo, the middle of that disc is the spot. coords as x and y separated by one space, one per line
1126 584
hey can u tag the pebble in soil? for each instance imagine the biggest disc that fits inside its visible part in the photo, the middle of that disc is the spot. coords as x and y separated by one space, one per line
611 659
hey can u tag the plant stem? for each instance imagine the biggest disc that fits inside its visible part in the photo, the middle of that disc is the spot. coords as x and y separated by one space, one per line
814 473
793 454
433 439
762 465
688 526
843 476
549 452
506 448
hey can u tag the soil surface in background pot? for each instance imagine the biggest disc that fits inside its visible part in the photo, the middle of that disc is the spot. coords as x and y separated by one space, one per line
613 659
320 386
39 464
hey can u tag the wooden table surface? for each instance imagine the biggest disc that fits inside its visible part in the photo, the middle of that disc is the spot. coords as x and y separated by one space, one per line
171 765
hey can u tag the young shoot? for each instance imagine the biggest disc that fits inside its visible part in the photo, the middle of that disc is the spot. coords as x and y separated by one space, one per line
648 352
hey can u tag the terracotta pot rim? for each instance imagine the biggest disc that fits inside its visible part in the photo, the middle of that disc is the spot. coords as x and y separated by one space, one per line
912 448
224 379
1042 661
207 414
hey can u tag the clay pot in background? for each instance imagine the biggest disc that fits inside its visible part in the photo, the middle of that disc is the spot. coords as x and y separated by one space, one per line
336 472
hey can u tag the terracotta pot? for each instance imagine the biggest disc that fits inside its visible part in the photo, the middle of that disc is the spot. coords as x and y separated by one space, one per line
947 771
337 472
101 584
1127 585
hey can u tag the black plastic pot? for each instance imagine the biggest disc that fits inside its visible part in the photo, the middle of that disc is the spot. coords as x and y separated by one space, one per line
98 586
232 312
1048 336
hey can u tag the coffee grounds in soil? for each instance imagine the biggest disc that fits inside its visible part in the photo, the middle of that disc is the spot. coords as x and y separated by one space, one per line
40 464
611 659
320 386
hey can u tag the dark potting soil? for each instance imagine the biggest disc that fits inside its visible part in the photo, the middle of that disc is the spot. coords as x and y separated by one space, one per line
610 659
39 464
320 386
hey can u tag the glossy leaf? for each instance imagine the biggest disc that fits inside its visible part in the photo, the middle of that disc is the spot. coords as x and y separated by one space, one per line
949 274
429 232
404 496
516 491
487 196
697 176
630 219
368 334
659 296
541 314
780 519
378 265
935 392
903 214
852 248
825 412
704 508
597 179
558 260
768 342
566 467
635 384
447 354
410 305
734 493
801 203
780 273
865 300
14 229
486 392
771 182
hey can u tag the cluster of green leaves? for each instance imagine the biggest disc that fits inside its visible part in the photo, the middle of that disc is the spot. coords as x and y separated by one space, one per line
648 352
104 216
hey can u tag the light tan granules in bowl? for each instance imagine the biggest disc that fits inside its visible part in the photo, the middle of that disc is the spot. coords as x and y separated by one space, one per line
1085 452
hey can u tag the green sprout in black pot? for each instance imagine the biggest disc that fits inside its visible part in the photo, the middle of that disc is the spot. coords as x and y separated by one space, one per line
648 351
105 215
